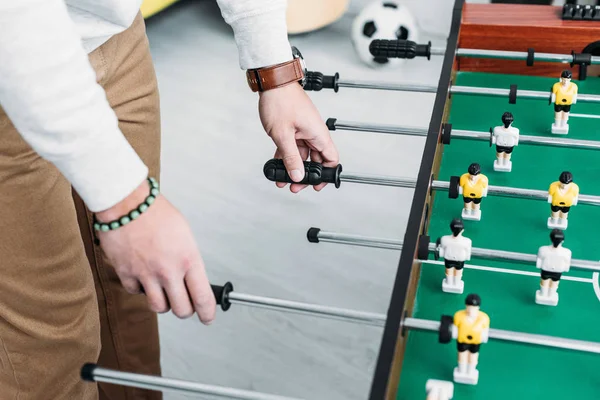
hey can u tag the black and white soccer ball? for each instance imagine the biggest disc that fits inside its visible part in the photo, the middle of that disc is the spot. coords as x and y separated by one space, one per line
382 20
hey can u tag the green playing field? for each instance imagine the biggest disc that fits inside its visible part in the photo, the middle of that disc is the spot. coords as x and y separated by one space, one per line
511 370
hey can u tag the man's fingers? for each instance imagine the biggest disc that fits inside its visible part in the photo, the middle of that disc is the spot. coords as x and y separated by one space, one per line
316 134
297 187
179 298
303 149
131 285
317 157
280 185
330 155
288 149
201 294
157 301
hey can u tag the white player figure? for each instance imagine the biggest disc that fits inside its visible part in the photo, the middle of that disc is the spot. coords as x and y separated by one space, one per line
455 249
505 138
439 390
553 260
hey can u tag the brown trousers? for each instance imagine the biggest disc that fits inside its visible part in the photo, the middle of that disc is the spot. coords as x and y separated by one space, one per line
57 313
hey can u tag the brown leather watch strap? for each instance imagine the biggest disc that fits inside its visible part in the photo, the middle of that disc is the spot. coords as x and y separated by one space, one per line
275 76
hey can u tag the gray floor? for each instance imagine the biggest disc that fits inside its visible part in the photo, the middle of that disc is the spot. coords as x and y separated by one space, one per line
253 234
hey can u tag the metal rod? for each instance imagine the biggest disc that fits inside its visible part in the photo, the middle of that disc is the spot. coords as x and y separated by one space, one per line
379 180
502 191
391 129
511 336
521 193
175 385
315 310
511 55
398 87
437 51
523 257
524 94
392 244
465 134
535 140
357 240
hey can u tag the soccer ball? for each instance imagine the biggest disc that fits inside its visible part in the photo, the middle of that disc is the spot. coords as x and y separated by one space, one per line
382 20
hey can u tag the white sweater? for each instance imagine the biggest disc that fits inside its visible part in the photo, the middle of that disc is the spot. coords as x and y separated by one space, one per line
48 88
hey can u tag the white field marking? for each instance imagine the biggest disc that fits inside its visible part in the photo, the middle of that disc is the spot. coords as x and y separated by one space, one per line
583 115
527 273
596 283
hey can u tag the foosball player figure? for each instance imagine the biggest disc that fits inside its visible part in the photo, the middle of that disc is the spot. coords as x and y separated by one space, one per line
439 390
473 186
505 137
553 260
564 94
562 195
471 328
455 249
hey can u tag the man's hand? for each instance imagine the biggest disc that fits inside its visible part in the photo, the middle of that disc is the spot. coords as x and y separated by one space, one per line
158 251
293 122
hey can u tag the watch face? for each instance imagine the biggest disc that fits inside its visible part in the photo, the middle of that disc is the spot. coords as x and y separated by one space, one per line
296 54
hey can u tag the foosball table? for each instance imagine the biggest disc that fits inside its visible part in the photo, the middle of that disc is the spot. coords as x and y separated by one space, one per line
504 207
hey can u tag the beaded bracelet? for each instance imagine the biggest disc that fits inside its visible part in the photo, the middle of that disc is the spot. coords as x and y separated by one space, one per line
134 214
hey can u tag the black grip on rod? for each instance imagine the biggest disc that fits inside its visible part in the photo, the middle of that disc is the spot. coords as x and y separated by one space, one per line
399 49
315 81
87 372
221 294
314 173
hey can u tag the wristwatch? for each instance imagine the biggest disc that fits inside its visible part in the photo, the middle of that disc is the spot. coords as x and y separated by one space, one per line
266 78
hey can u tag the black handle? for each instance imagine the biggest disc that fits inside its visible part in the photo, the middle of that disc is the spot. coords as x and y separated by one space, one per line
316 81
221 294
87 372
314 173
399 49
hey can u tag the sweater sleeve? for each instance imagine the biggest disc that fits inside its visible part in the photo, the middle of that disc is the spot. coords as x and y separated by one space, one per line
48 90
260 30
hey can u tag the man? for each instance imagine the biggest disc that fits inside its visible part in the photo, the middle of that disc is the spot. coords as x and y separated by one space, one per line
471 328
553 260
80 109
455 249
564 94
505 137
562 195
473 185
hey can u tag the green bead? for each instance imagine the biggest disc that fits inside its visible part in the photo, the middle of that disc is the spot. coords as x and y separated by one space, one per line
150 199
134 214
155 185
143 207
104 228
97 226
114 225
154 191
125 220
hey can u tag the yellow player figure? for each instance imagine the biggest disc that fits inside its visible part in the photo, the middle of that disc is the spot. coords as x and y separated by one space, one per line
562 194
564 94
473 186
471 328
439 390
